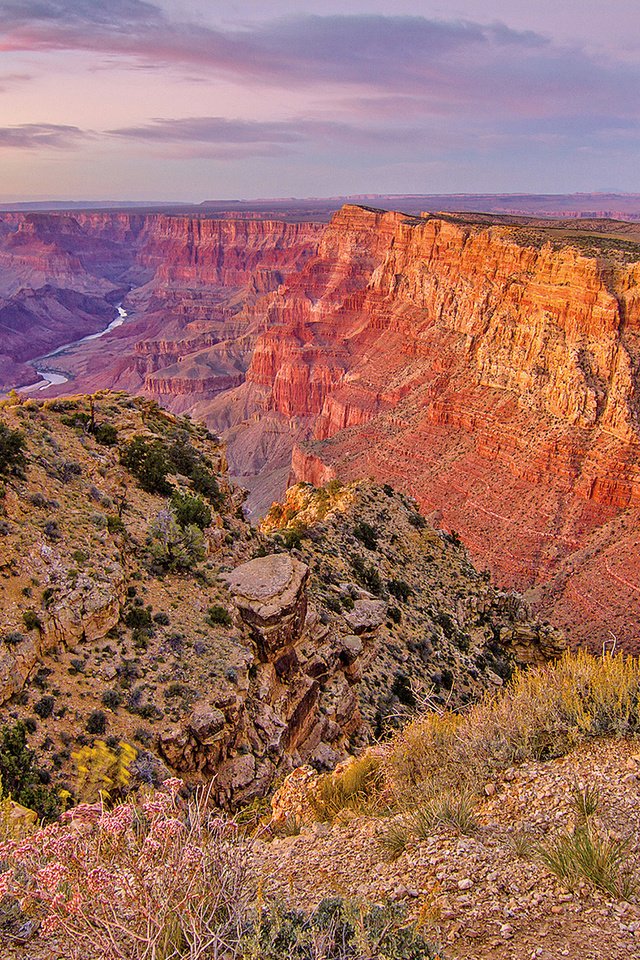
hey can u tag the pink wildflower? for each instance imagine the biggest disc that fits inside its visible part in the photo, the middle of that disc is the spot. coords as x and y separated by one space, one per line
5 882
49 925
174 785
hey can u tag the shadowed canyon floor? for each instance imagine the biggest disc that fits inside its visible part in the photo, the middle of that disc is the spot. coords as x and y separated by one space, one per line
487 366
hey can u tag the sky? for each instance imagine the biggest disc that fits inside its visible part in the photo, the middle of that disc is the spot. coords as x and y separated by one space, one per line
188 100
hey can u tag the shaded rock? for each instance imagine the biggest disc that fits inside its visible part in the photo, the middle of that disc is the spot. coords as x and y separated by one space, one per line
366 615
206 722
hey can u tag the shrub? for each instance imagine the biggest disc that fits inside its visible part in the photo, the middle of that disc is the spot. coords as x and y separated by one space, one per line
204 482
365 533
102 773
12 452
394 839
172 547
218 616
149 462
68 469
106 434
543 713
399 589
190 510
31 620
186 877
337 930
21 779
138 617
13 638
367 574
112 699
115 524
44 706
96 722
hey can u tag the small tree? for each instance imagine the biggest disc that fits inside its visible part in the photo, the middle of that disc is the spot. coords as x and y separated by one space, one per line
190 510
149 463
173 547
21 779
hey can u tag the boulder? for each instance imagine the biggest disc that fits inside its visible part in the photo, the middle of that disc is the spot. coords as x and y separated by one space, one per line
206 722
270 594
366 616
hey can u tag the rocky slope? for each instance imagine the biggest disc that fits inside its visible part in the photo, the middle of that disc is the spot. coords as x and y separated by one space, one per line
484 895
223 650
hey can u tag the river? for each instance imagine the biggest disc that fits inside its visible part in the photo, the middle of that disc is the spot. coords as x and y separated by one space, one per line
50 378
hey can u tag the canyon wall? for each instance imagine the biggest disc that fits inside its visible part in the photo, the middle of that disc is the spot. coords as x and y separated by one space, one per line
188 281
490 370
495 380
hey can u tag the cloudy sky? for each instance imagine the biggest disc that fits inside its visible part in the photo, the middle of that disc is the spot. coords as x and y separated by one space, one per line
202 99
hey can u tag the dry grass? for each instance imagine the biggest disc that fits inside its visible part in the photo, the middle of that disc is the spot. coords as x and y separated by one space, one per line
453 809
543 713
352 788
394 840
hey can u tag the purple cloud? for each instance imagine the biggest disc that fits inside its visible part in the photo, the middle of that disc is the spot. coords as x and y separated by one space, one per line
31 136
232 138
392 78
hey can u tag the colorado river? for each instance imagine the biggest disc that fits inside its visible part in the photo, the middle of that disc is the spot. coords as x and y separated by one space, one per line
49 378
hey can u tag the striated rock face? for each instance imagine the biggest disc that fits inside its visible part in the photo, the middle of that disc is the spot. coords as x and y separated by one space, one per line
61 274
494 379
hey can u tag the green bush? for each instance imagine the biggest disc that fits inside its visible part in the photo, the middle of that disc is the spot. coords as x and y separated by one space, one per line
367 574
171 547
31 620
21 779
12 452
115 524
138 617
204 482
399 589
97 722
218 616
149 462
190 511
337 930
365 533
44 707
112 699
106 434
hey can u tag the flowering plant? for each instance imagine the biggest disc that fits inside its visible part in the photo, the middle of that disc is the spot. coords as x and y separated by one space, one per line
150 880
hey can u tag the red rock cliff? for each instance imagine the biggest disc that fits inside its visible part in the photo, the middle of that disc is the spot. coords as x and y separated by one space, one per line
496 381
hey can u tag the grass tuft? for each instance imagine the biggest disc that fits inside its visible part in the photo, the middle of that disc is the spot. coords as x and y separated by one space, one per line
587 854
454 809
393 842
354 787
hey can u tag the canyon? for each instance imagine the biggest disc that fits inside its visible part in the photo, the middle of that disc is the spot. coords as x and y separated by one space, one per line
488 366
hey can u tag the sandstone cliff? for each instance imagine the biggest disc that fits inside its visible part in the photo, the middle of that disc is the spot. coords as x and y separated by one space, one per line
489 369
